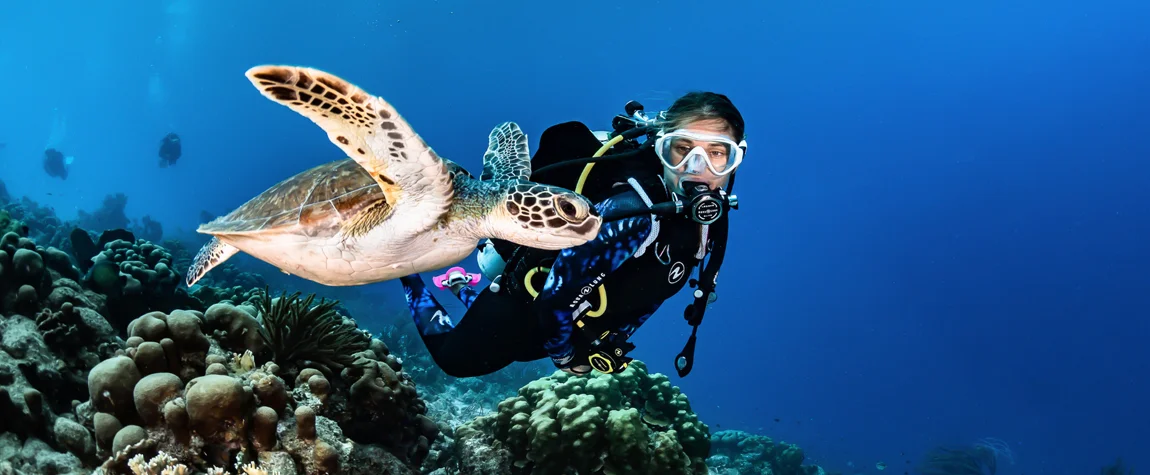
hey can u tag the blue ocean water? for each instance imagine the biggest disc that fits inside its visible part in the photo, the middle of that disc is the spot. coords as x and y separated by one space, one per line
944 206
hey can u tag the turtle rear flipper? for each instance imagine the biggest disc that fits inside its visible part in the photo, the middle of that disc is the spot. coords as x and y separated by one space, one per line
507 156
214 253
414 180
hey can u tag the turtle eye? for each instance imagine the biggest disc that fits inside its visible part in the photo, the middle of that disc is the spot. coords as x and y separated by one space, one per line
567 209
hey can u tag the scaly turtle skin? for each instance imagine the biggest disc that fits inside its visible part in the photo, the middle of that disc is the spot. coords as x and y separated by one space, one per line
394 207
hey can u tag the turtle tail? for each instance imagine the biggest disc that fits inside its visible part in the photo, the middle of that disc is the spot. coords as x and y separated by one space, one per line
214 253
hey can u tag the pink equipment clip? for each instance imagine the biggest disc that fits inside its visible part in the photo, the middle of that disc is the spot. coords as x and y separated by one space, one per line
454 276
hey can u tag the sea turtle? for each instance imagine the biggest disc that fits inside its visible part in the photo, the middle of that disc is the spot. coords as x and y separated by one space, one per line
394 208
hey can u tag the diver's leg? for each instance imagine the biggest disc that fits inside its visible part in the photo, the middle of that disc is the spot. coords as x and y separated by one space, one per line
496 331
430 317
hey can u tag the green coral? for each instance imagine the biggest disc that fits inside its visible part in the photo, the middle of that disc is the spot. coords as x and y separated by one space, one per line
8 224
296 332
750 453
631 422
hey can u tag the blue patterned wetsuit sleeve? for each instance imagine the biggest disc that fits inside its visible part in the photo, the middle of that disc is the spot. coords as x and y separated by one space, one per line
580 266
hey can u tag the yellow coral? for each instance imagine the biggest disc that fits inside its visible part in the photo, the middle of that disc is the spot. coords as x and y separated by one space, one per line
250 469
164 464
161 464
244 363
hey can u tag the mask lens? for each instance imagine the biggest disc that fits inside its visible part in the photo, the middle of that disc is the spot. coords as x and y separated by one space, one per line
680 151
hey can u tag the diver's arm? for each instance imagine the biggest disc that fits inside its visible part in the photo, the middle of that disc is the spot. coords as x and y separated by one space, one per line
578 267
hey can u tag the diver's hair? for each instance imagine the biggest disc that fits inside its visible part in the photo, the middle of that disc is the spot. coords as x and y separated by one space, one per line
695 106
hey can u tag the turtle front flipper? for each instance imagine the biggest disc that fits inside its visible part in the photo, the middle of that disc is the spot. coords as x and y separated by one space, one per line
214 253
415 181
507 156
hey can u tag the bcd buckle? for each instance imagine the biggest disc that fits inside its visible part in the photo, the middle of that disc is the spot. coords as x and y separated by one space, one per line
610 356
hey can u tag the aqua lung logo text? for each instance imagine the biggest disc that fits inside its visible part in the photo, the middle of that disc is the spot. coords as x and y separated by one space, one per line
678 270
586 290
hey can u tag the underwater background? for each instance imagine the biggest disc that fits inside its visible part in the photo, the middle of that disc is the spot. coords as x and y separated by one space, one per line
944 208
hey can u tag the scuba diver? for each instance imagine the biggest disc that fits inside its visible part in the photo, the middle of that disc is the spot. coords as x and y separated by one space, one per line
664 203
170 150
56 164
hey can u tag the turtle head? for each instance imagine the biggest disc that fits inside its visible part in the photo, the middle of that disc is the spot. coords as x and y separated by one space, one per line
544 217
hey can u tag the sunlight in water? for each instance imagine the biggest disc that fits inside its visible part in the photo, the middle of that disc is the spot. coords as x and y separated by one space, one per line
59 130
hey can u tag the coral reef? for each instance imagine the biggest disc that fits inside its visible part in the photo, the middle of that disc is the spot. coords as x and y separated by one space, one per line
629 422
188 384
184 385
736 452
301 334
225 282
148 229
8 224
110 215
137 277
108 364
43 226
39 388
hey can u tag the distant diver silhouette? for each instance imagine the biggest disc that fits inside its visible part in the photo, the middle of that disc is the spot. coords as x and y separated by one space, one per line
170 150
55 164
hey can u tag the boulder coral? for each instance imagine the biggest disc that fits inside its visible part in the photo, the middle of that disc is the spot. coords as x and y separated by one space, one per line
189 385
630 422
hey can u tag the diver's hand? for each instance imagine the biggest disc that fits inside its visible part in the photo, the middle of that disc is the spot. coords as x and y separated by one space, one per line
568 365
580 370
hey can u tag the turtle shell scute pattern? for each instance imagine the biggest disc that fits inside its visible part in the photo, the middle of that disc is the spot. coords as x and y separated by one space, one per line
317 200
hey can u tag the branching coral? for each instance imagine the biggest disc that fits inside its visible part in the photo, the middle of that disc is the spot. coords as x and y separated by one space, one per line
297 332
164 464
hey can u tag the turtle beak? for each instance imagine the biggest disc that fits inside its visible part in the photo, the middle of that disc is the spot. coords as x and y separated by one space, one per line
590 226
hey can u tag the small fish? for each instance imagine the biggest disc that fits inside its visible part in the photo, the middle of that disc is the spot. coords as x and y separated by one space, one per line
880 465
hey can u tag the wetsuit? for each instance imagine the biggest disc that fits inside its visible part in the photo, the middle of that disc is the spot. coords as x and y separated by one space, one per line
638 262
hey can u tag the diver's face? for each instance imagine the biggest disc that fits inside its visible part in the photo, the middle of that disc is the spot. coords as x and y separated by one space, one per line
697 170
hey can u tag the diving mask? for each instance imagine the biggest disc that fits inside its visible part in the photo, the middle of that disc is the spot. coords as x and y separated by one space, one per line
686 150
